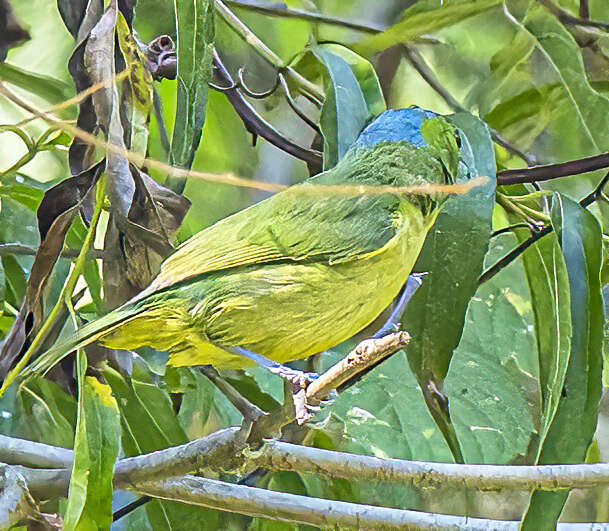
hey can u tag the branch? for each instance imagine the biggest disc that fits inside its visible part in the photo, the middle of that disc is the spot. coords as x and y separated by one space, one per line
218 451
367 354
282 10
43 483
303 509
553 171
255 502
212 451
257 125
15 451
566 18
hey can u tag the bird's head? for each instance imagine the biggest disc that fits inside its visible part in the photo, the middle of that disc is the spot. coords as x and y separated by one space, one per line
418 128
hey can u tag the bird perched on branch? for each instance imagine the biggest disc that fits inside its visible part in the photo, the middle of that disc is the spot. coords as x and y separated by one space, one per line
299 272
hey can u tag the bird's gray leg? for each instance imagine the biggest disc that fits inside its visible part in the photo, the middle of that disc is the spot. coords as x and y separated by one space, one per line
393 323
297 380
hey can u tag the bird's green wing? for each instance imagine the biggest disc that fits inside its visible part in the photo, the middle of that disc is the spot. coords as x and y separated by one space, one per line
292 225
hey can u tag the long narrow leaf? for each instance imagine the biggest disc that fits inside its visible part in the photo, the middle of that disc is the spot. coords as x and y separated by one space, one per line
417 22
95 451
195 25
565 57
574 423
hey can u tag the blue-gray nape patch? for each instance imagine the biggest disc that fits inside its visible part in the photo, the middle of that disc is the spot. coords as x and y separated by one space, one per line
396 126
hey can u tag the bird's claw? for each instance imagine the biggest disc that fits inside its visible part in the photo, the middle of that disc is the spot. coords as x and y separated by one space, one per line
299 381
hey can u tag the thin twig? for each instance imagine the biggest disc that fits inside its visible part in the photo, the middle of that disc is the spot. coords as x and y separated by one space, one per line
282 10
26 250
425 71
257 125
231 179
566 18
553 171
512 255
512 227
249 411
301 82
593 196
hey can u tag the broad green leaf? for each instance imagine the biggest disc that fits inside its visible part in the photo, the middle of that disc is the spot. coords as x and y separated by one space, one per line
416 22
572 429
452 256
203 409
370 417
149 424
195 27
96 447
491 383
564 56
353 97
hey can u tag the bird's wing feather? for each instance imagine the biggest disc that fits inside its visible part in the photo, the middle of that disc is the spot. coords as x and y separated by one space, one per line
288 226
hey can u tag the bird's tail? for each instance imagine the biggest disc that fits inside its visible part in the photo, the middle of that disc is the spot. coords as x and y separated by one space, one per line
84 336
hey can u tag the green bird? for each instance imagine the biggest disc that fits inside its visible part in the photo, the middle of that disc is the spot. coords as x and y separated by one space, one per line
299 272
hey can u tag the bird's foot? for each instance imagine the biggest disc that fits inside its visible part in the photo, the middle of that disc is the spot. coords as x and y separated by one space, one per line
299 381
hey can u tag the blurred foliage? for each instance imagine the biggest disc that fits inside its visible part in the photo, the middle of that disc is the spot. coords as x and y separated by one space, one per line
521 364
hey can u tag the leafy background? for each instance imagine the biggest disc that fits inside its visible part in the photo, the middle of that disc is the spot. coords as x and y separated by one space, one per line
513 64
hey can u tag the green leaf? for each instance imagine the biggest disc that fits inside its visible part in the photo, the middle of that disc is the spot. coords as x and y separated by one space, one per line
491 383
416 22
196 31
509 67
548 282
564 55
44 412
15 278
353 97
150 424
51 89
452 256
572 429
95 450
28 196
